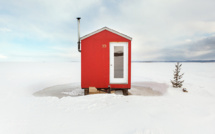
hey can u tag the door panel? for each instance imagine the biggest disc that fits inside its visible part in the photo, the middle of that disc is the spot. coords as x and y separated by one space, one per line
118 62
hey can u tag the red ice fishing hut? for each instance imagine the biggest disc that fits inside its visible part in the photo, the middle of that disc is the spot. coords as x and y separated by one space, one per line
105 60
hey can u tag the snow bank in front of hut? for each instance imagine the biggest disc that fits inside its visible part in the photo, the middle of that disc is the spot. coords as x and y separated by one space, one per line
155 107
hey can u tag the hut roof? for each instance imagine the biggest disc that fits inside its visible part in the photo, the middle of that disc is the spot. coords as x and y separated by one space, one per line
108 29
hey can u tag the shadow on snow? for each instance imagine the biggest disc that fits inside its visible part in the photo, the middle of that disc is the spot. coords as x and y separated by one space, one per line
73 90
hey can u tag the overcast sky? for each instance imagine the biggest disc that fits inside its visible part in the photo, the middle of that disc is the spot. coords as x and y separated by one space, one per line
46 30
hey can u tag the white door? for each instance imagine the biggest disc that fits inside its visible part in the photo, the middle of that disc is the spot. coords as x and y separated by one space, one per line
118 62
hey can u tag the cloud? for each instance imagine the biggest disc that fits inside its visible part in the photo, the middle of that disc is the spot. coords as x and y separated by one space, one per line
203 49
50 19
158 28
69 53
3 56
158 25
4 29
31 28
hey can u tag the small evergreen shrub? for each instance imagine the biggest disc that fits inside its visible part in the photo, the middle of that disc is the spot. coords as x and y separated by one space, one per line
177 82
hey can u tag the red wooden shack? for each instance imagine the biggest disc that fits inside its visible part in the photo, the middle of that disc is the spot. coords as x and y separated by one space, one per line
106 60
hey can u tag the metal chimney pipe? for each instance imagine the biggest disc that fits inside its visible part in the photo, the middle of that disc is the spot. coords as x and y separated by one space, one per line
79 41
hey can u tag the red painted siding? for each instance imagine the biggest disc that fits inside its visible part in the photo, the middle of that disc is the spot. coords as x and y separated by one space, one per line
95 60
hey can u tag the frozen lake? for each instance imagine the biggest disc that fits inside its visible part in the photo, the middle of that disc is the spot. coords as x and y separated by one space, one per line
154 108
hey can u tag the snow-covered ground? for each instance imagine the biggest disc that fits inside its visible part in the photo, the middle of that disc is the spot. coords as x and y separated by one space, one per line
45 98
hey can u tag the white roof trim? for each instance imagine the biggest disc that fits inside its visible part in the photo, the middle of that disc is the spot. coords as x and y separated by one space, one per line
106 28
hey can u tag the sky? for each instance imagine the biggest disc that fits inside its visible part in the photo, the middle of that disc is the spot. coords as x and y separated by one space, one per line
161 30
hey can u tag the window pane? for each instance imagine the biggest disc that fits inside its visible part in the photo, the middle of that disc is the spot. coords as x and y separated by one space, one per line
118 61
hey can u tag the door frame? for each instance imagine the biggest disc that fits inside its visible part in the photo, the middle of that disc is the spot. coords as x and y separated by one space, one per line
123 80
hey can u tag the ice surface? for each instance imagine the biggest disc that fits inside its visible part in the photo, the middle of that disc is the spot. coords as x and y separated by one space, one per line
39 98
60 91
148 88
